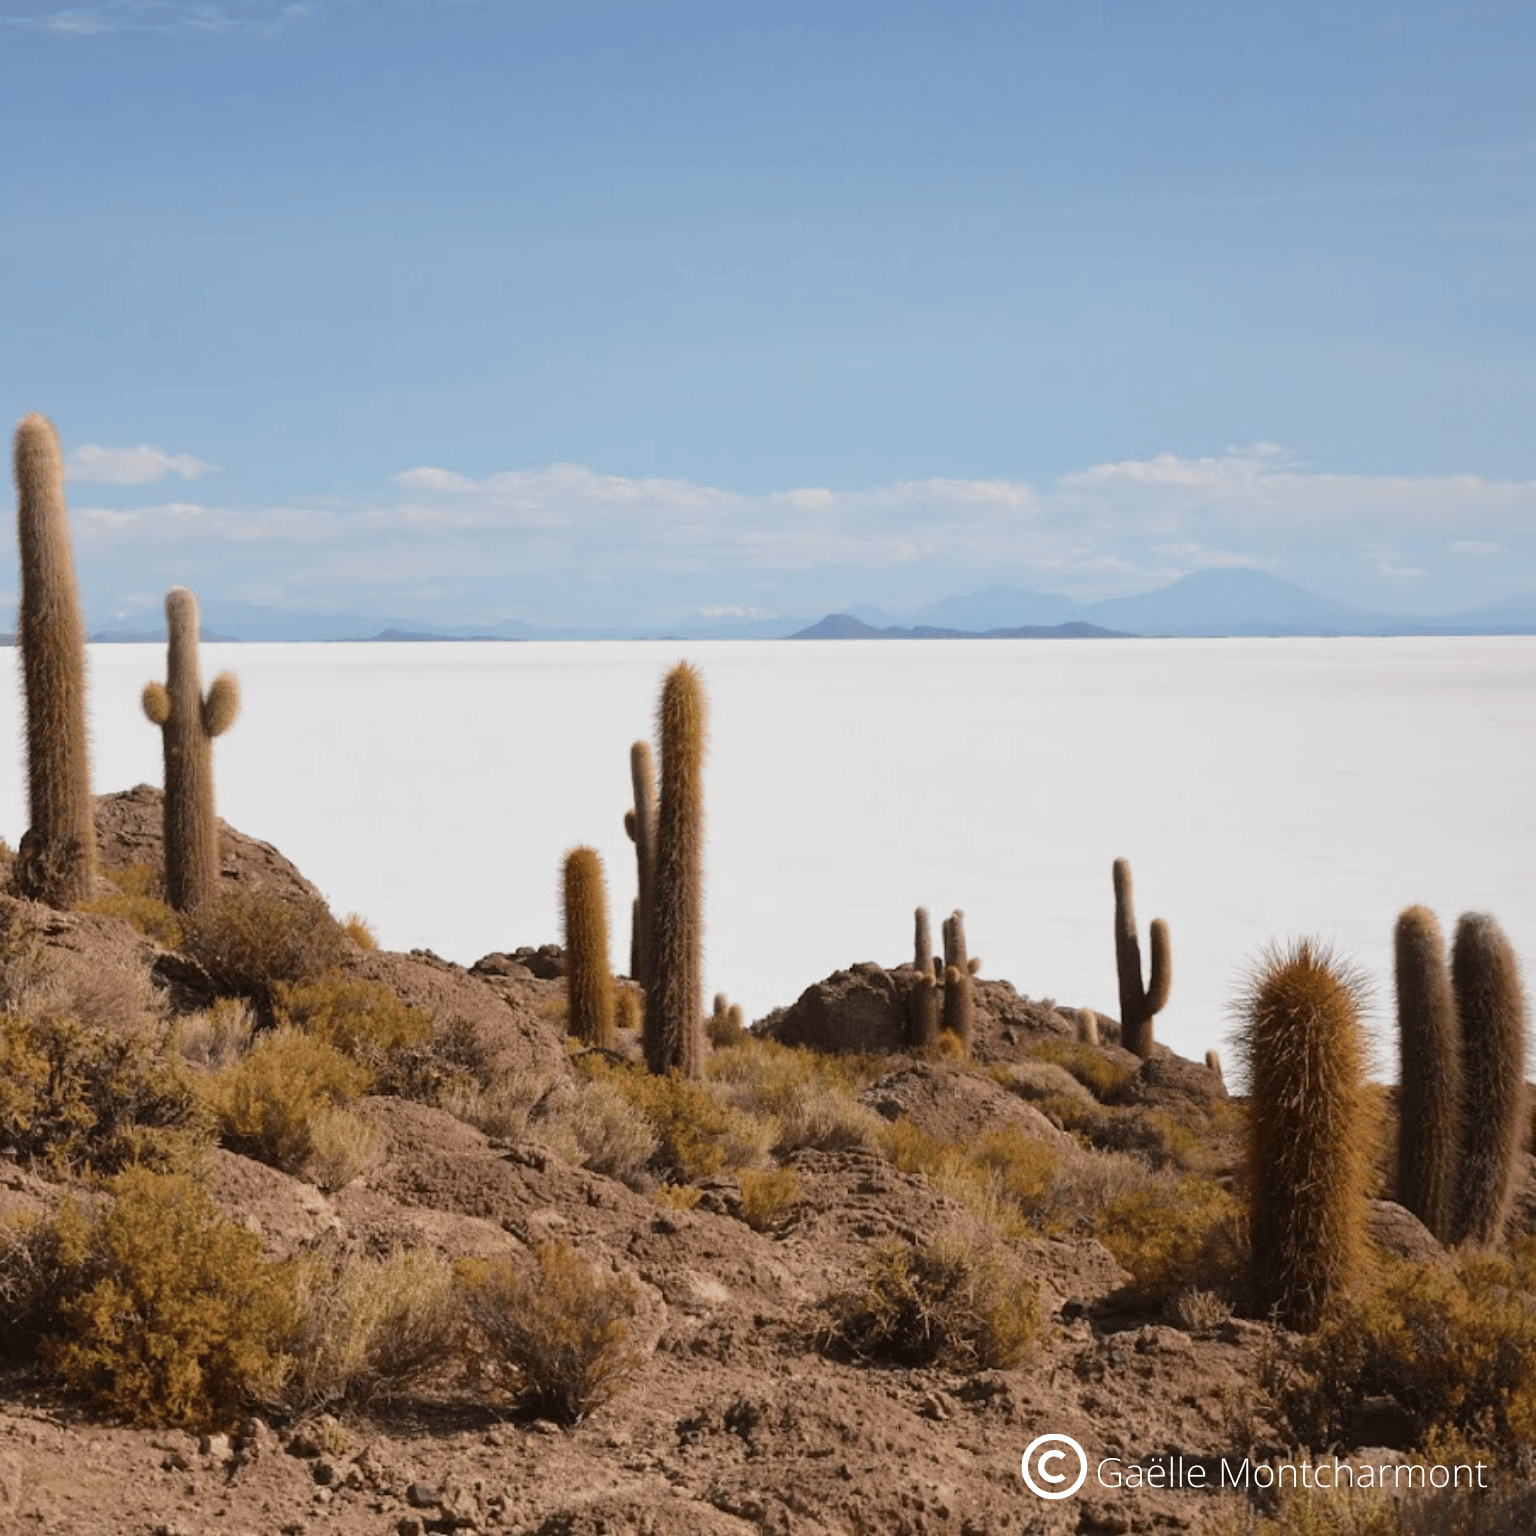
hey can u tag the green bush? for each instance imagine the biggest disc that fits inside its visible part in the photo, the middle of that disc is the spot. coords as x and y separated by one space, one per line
563 1330
167 1312
947 1302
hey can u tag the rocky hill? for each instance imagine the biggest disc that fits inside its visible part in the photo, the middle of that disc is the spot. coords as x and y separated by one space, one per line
740 1231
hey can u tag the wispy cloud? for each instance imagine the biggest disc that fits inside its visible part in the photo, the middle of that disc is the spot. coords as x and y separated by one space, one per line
94 464
250 18
1102 531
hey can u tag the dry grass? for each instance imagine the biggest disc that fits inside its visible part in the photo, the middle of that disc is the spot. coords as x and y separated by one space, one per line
948 1302
367 1329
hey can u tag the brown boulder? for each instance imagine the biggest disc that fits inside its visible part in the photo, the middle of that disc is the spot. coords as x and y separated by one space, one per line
130 829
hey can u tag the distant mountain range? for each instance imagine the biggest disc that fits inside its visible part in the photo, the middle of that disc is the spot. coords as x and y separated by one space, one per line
1208 603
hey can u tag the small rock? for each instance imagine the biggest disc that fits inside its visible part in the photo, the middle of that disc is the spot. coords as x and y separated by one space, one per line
422 1496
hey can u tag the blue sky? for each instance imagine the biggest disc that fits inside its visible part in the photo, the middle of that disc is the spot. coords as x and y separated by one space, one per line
474 309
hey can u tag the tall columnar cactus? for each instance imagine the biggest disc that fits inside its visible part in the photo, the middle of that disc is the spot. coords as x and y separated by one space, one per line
188 723
1429 1093
922 940
1309 1137
923 999
1490 1005
1138 1004
588 976
959 987
674 1011
57 859
640 823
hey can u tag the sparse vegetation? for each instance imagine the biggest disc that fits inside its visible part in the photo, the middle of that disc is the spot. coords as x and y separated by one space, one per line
249 942
563 1332
166 1312
947 1303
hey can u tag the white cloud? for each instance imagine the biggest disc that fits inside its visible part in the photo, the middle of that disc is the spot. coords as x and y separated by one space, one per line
253 18
131 466
1101 531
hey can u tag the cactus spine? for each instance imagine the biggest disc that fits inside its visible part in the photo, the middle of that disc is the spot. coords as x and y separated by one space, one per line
640 823
588 976
959 988
1490 1005
674 1011
188 723
1308 1148
1429 1104
1138 1005
57 857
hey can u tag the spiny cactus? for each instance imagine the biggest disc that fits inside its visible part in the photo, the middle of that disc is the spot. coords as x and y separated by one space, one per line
1309 1138
56 862
959 988
922 940
1087 1027
1213 1063
923 999
588 977
1138 1005
188 723
674 1010
1429 1106
640 823
1490 1005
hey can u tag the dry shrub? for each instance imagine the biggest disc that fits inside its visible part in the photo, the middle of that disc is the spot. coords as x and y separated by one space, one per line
267 1102
342 1147
563 1330
947 1302
1035 1080
167 1312
1508 1508
503 1110
362 1019
1173 1232
766 1194
813 1097
24 963
250 941
1196 1310
79 1096
612 1136
698 1132
217 1037
366 1329
956 1172
1104 1078
1455 1348
140 902
360 931
32 1279
677 1197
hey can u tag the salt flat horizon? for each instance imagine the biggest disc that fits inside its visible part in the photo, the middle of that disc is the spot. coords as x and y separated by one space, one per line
1261 789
